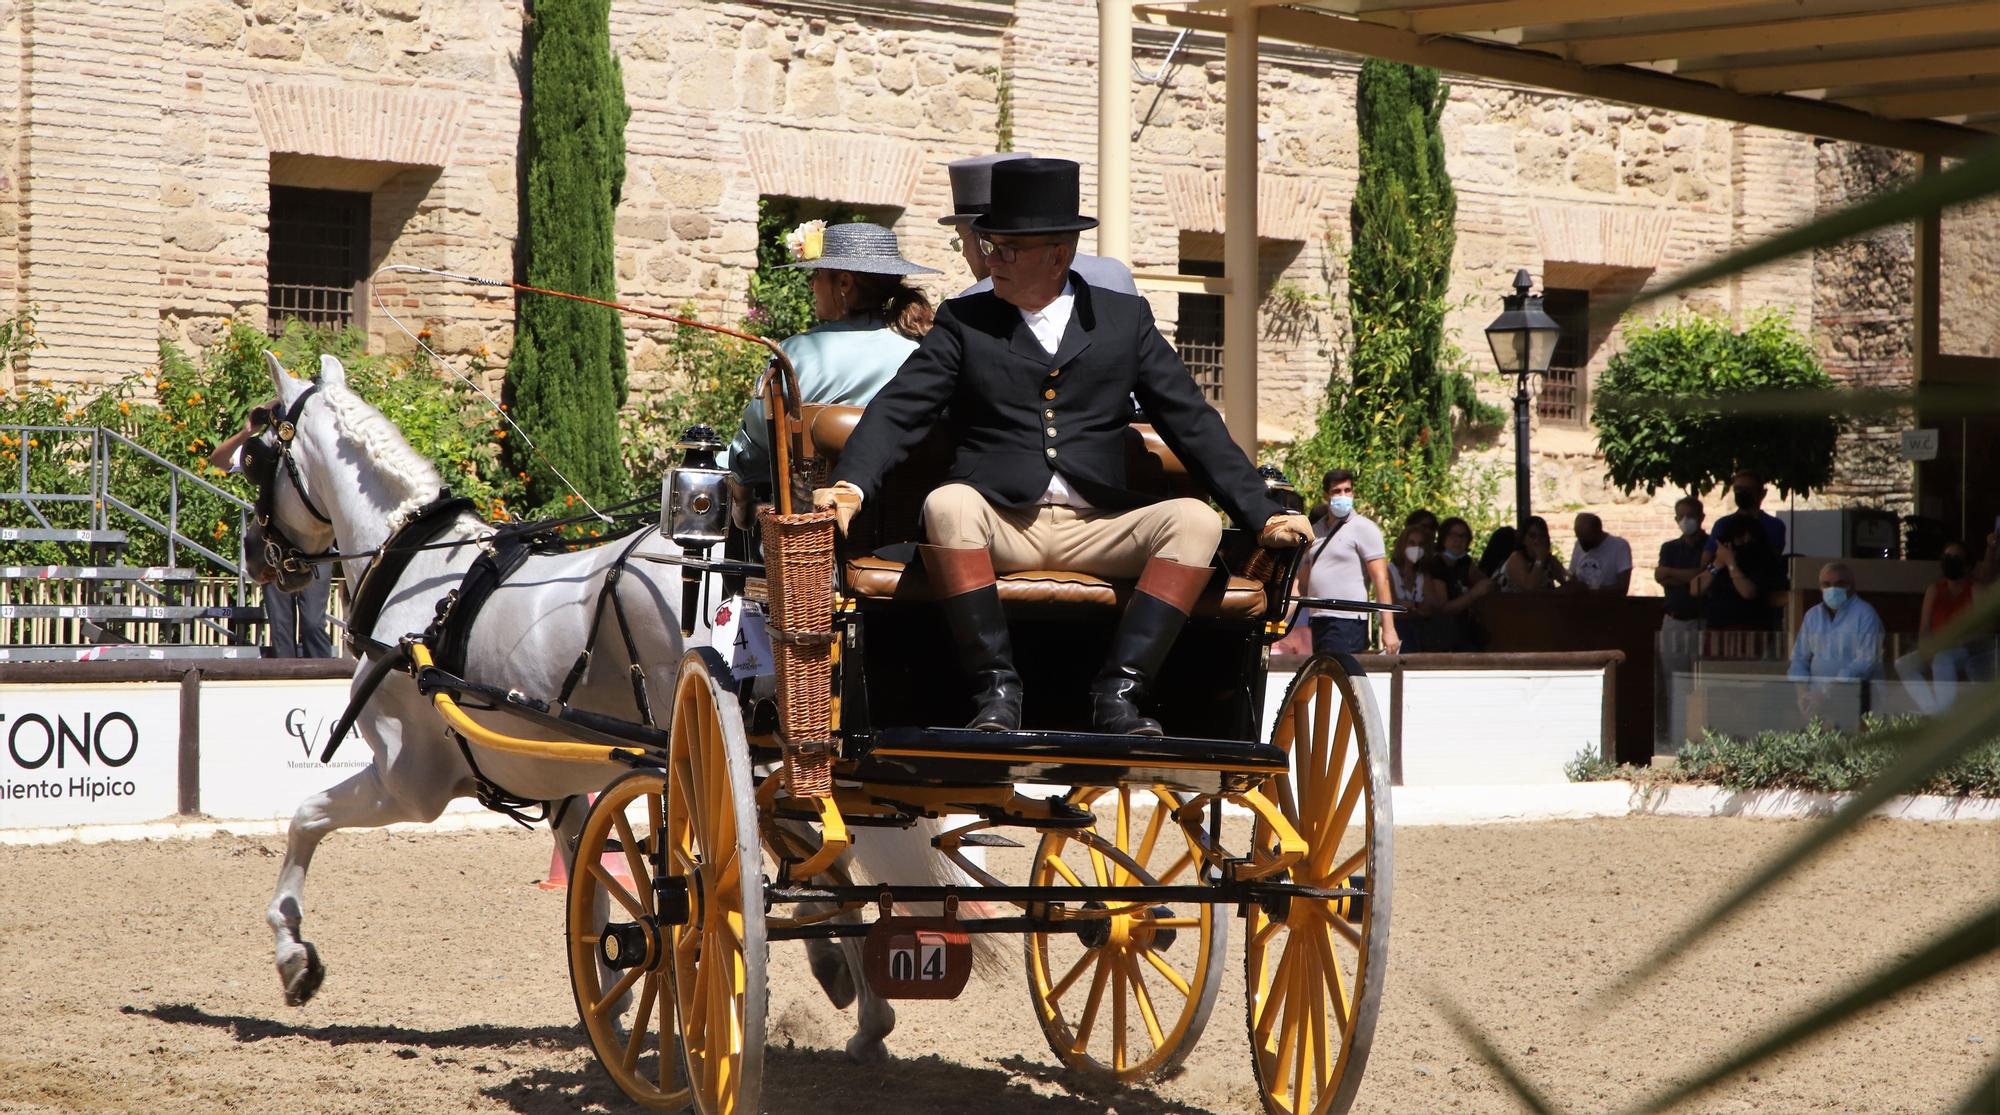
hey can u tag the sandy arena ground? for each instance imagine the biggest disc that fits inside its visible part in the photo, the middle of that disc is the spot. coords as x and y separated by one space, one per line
136 977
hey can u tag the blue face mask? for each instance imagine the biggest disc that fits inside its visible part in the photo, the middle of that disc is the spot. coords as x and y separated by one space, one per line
1341 506
1834 598
1451 555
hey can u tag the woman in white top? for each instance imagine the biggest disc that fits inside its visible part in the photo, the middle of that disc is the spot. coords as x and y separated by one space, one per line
1406 580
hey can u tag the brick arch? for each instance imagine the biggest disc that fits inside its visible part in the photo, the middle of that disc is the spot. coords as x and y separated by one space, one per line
358 122
865 171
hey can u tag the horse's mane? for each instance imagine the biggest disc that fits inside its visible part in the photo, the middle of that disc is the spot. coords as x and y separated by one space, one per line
382 443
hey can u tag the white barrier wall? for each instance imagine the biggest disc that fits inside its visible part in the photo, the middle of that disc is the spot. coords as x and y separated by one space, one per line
88 754
80 754
1485 727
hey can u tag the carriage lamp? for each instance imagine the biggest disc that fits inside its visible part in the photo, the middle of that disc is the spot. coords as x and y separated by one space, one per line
1280 488
1523 339
695 500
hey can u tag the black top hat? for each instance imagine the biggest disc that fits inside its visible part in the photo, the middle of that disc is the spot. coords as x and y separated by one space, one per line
972 184
1032 197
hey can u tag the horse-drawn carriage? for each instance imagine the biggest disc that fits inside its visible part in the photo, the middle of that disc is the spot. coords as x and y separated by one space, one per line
727 830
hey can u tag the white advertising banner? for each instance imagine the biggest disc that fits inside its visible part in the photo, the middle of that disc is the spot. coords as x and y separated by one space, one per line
89 754
261 742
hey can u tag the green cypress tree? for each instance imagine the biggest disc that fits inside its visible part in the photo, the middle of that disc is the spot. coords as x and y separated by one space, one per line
1399 261
566 379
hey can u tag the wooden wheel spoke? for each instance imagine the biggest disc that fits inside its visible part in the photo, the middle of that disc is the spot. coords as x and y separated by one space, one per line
1298 1021
668 1055
1177 922
1274 998
1185 861
1347 867
623 985
634 861
640 1017
616 889
1167 972
1088 1021
1135 976
1162 805
1118 1014
1123 832
1069 979
1055 863
1336 983
1325 847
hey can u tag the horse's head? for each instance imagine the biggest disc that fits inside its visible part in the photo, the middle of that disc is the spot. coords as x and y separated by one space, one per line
292 523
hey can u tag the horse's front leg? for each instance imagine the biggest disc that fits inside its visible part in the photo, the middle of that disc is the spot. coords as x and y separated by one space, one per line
358 802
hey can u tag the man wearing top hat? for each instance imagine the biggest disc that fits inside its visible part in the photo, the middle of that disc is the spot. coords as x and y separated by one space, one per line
972 195
1038 375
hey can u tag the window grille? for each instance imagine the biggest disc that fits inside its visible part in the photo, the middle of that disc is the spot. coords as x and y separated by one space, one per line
1564 397
1198 337
319 257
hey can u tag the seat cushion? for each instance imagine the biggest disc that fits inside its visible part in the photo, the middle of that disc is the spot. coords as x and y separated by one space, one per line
881 579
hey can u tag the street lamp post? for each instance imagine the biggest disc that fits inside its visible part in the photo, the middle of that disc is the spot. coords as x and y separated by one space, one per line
1523 339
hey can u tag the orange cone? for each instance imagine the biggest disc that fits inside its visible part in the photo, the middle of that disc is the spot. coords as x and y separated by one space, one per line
614 862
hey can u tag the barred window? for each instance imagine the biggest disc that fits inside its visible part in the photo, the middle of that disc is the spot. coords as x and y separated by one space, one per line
319 257
1564 398
1198 337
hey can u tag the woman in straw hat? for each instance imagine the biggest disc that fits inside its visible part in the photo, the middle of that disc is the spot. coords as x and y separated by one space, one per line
870 322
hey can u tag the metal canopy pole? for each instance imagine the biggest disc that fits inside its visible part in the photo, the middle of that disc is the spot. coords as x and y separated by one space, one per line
1114 129
1239 237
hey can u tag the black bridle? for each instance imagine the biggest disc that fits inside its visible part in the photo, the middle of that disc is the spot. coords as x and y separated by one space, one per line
260 464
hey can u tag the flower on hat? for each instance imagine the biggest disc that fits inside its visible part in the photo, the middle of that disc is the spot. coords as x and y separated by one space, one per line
807 241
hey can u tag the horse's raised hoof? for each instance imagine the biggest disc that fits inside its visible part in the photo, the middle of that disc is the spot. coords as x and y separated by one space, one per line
829 967
302 973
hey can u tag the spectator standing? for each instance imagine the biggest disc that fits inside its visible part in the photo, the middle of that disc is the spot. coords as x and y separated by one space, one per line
1348 560
1736 584
295 622
1453 583
1839 643
1599 562
1747 489
1533 567
1680 562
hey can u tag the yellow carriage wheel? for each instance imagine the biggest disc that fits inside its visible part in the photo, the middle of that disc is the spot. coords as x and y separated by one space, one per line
718 954
1314 966
617 924
1125 993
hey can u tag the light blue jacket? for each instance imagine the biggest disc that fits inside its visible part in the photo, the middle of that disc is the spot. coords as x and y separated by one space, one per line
1838 646
838 362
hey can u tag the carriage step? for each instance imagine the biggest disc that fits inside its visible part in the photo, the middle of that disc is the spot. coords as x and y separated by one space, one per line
962 755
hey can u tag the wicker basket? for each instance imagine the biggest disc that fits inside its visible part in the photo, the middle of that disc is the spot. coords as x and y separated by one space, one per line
798 564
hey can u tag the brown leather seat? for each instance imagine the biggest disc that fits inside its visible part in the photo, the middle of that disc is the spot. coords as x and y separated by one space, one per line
880 579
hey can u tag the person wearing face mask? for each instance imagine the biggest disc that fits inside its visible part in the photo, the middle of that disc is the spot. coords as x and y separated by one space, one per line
1453 583
1736 585
1839 646
1348 560
1406 581
1680 562
1944 601
1747 489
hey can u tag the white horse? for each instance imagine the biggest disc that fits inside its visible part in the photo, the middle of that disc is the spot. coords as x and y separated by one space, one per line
355 468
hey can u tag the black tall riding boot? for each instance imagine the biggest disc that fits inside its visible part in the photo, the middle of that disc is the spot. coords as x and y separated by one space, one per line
971 605
1153 620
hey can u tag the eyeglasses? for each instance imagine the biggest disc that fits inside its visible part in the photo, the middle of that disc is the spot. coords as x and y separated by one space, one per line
1008 253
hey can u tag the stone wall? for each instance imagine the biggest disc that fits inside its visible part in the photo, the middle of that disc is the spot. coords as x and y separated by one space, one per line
151 131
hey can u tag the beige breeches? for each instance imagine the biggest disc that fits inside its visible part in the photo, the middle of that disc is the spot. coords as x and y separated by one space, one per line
1101 543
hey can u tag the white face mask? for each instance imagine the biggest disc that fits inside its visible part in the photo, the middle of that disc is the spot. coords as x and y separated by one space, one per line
1690 525
1413 554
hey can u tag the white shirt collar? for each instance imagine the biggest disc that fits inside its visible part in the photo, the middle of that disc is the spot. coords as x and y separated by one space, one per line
1049 322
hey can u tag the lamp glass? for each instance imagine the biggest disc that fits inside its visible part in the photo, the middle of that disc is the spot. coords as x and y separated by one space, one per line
1511 350
1541 348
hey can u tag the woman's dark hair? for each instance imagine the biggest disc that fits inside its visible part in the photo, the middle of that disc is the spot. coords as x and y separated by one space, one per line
1444 528
902 306
1500 545
1420 515
1535 521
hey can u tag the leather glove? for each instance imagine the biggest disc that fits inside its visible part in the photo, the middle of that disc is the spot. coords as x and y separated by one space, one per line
844 498
1285 532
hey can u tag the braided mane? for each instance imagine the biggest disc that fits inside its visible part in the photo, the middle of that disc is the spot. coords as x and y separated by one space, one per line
382 443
